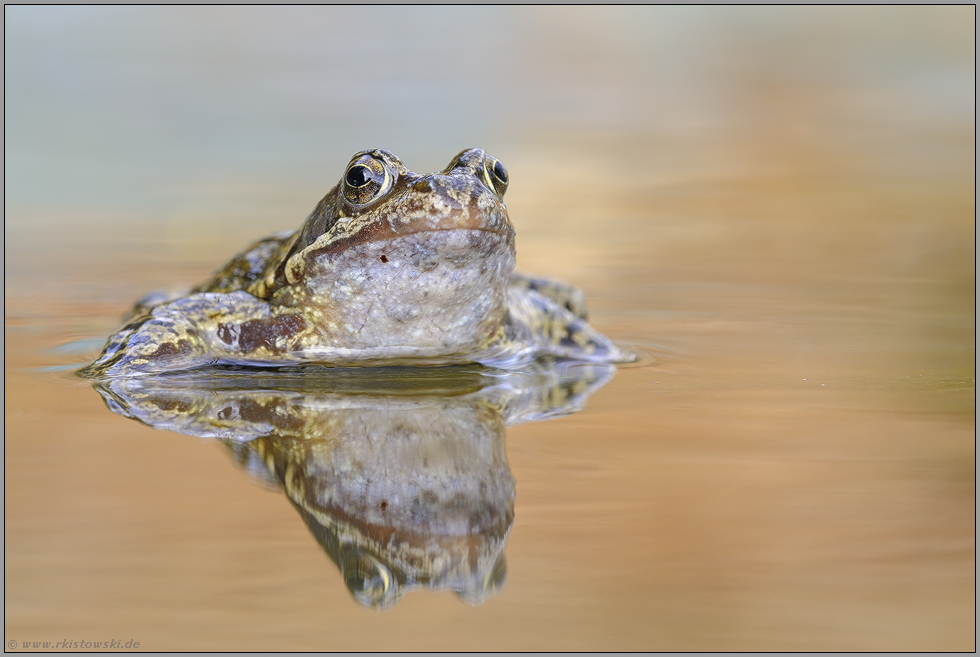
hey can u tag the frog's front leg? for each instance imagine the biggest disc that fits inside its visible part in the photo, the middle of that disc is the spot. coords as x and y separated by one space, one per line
564 294
196 330
550 329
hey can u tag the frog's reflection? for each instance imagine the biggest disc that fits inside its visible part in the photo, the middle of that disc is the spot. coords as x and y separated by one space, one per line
399 473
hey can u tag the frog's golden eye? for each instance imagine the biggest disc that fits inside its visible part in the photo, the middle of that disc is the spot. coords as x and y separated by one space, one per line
366 179
496 174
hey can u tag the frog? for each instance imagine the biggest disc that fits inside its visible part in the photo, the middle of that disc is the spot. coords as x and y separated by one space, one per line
390 268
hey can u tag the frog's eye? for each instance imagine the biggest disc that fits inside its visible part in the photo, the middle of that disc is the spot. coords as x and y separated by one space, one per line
496 174
366 179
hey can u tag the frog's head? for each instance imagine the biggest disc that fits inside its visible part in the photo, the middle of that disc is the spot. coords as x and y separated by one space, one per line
390 257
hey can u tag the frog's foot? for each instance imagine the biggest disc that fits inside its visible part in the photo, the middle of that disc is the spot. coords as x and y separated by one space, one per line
550 329
564 294
189 332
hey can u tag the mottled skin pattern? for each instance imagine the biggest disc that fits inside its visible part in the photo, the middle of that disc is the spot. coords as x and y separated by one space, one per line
399 473
391 267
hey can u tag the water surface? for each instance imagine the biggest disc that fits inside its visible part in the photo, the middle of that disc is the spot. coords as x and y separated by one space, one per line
775 207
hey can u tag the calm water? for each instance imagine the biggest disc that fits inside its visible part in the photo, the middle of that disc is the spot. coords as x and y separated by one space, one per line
775 207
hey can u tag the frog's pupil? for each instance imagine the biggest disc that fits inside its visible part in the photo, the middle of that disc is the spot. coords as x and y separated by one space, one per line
358 176
500 172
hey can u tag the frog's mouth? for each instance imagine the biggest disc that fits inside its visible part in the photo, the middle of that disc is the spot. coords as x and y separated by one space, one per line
393 227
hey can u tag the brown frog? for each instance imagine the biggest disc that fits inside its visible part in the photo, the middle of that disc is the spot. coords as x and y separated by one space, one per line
391 268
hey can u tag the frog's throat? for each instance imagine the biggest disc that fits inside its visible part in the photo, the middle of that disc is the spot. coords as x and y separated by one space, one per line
436 292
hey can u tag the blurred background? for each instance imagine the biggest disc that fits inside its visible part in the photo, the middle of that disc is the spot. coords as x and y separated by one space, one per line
774 206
